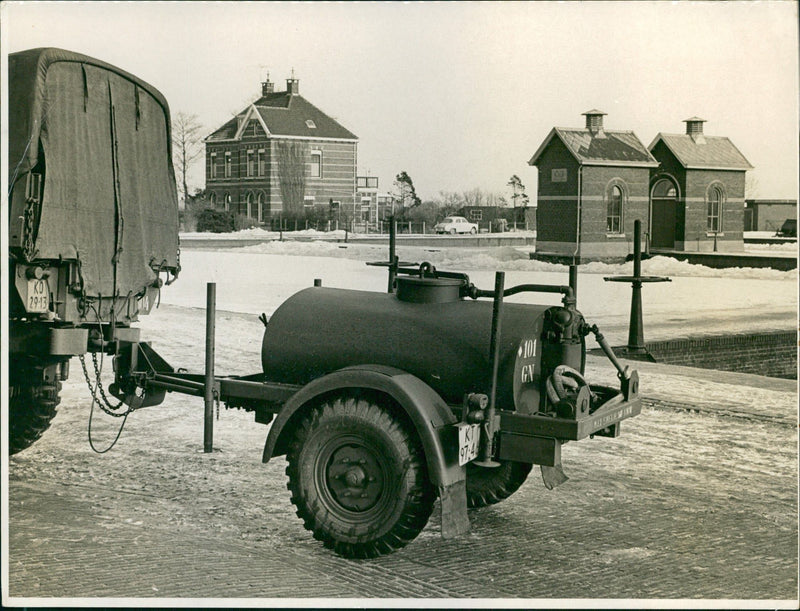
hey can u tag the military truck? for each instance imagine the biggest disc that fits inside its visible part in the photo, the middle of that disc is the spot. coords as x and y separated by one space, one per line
92 221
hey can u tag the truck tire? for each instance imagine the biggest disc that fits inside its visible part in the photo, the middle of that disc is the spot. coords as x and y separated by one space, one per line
358 478
487 486
31 408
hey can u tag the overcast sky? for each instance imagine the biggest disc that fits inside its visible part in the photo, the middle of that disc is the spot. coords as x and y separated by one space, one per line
460 95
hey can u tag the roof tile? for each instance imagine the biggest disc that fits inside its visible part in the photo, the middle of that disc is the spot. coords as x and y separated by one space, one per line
616 146
715 152
289 115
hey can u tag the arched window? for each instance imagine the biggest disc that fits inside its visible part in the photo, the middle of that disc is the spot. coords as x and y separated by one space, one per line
615 205
250 201
262 198
715 197
213 199
228 200
664 189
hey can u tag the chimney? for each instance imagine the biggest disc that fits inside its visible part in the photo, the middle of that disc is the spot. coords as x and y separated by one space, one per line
594 123
694 128
267 87
292 86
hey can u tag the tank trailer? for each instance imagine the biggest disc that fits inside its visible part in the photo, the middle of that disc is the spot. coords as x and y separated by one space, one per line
384 402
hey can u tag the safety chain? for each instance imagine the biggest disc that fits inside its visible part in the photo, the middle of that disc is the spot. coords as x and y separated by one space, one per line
104 404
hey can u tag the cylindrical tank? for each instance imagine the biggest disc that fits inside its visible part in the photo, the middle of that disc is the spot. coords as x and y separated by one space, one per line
434 335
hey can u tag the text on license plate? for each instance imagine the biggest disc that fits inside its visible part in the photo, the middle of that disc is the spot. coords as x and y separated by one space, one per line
469 436
38 296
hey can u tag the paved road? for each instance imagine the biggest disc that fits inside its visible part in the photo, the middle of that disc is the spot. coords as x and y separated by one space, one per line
684 504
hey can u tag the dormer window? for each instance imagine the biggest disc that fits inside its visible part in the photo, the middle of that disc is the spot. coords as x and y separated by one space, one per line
310 124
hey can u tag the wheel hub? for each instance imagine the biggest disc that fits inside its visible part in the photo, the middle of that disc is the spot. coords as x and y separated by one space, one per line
354 477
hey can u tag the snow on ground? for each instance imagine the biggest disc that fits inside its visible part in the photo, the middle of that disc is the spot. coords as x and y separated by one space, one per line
255 279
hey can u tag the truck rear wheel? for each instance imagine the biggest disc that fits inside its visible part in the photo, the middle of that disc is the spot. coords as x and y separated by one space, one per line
32 404
487 485
358 478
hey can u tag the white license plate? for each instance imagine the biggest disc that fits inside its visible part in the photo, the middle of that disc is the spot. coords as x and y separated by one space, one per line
38 296
469 436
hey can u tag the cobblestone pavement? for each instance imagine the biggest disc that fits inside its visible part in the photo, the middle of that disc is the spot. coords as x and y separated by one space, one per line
684 505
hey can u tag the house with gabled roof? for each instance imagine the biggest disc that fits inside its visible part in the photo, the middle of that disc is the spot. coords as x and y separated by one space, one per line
281 157
593 184
697 192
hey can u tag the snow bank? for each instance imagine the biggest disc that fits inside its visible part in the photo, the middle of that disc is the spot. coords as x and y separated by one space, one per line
503 258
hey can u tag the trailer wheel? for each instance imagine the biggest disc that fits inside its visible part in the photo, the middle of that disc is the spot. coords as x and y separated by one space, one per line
31 408
487 486
358 478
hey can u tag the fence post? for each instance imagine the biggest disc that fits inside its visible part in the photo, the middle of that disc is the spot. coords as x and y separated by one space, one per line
208 387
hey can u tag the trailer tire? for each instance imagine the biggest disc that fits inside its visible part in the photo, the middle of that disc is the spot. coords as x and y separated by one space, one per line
358 478
487 485
31 409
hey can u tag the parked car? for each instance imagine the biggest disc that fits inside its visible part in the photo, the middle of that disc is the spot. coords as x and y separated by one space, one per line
787 230
455 224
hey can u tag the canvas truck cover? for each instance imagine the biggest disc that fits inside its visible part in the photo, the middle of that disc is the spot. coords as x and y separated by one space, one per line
101 138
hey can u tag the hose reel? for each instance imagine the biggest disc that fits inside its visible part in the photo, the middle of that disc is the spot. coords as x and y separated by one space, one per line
568 391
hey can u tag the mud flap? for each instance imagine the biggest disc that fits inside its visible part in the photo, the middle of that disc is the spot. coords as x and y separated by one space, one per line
454 509
553 476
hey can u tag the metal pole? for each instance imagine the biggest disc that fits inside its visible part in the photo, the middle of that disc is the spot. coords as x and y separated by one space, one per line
573 280
208 396
392 257
487 447
636 325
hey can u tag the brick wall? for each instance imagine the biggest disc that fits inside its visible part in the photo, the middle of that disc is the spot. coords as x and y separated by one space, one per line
772 353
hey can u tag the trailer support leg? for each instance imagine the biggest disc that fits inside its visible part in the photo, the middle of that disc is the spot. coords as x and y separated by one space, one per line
208 395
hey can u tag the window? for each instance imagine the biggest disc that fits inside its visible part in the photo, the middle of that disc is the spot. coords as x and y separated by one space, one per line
261 201
213 173
262 162
715 197
251 164
476 215
250 201
228 164
308 201
367 182
213 199
228 200
664 189
614 210
310 124
315 165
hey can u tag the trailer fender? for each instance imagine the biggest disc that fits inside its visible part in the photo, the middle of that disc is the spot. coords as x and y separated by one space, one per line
430 415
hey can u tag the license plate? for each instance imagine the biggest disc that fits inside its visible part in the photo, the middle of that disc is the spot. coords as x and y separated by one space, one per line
38 296
469 436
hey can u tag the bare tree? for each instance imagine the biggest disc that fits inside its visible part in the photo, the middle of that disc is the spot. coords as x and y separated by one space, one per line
186 146
518 195
405 193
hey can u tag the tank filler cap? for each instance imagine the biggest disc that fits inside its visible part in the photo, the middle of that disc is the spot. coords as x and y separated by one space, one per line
428 290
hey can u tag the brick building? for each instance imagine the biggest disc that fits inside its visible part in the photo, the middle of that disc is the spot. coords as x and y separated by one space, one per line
372 205
281 157
593 184
768 214
697 192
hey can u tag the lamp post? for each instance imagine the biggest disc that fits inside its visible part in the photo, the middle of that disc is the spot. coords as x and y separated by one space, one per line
636 325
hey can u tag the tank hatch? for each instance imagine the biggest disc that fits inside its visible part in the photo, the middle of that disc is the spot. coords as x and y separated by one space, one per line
428 290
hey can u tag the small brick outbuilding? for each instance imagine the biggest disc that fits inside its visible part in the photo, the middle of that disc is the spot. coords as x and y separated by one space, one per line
697 192
593 184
